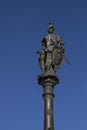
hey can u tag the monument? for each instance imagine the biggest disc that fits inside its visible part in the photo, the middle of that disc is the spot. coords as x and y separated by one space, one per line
50 59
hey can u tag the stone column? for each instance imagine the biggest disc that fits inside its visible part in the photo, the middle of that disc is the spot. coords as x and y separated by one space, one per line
48 82
50 59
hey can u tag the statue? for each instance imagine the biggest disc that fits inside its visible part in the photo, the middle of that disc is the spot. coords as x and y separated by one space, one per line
52 53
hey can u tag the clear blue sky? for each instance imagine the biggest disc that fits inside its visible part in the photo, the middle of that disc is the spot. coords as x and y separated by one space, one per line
23 24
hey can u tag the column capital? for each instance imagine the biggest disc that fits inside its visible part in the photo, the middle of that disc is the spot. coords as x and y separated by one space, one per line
48 80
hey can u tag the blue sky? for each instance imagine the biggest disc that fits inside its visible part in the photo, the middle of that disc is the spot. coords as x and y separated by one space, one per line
23 24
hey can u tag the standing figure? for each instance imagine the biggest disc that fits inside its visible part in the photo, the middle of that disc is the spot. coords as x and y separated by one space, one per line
52 53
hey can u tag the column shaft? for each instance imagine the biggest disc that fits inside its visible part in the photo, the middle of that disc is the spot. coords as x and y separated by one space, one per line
48 82
48 108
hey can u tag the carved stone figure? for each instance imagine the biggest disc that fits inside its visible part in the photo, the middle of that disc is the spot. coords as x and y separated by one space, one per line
52 53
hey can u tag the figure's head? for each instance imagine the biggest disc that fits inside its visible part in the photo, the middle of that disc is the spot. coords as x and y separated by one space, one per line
51 28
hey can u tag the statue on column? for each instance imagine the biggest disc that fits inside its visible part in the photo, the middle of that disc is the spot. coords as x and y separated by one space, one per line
52 53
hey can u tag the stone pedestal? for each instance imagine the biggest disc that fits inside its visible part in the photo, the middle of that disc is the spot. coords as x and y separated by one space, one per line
48 82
